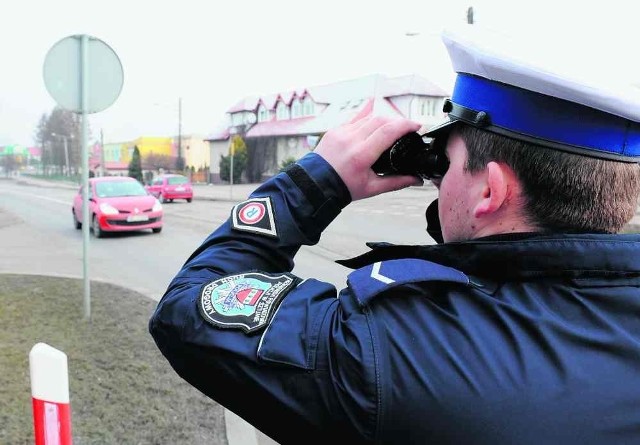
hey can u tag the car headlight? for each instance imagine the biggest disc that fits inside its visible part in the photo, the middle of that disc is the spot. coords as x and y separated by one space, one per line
157 207
108 209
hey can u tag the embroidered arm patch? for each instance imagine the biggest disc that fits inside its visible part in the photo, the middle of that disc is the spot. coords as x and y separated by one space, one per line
246 301
254 215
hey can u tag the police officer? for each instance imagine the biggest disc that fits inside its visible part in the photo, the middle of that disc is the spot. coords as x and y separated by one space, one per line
521 327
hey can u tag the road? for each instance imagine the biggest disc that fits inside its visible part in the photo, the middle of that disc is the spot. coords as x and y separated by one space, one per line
38 237
146 262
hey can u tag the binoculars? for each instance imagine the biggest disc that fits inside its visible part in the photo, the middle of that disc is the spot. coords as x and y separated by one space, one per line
411 155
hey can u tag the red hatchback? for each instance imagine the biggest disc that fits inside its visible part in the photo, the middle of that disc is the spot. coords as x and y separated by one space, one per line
170 186
118 204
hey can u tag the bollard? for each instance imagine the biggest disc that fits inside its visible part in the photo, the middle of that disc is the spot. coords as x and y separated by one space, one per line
50 395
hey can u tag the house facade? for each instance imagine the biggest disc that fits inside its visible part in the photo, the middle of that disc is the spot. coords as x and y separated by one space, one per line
156 153
287 125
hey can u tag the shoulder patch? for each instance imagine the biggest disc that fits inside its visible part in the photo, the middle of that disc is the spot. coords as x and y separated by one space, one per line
370 280
254 215
245 301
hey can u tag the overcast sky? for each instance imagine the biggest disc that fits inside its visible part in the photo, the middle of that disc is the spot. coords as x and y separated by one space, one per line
213 53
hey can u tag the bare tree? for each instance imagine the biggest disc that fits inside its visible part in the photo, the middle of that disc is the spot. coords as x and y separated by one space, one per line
154 161
41 139
64 125
9 164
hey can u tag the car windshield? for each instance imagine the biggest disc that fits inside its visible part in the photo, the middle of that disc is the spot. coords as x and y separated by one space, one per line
177 180
111 189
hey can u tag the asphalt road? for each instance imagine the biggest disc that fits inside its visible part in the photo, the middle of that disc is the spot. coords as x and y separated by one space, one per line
37 237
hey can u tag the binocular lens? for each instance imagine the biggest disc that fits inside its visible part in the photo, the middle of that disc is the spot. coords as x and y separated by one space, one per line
411 155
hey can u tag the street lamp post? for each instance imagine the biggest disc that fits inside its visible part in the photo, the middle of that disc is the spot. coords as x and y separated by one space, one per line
179 161
66 150
233 131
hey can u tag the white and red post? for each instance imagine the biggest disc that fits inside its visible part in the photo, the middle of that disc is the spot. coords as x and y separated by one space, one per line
50 395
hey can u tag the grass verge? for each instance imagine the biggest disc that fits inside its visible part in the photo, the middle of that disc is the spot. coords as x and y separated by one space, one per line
122 391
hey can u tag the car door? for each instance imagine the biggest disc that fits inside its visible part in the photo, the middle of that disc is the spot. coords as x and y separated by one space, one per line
156 187
77 204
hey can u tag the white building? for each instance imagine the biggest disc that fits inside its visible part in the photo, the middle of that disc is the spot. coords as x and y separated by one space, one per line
286 125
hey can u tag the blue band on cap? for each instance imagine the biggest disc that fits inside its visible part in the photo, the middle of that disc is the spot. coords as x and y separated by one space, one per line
549 118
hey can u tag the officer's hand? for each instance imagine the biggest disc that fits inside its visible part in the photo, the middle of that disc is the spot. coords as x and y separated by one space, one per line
351 149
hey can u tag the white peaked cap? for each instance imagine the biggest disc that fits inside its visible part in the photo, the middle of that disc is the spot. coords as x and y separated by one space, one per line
512 88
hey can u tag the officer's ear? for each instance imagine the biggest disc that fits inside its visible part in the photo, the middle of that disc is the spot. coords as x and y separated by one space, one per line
498 185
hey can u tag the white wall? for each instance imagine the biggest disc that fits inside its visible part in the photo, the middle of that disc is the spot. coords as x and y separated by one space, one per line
217 149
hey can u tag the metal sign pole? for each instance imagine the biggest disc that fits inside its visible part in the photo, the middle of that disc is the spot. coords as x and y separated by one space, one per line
85 176
83 88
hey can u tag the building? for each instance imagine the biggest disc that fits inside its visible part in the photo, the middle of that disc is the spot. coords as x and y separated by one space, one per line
287 125
160 152
197 156
156 153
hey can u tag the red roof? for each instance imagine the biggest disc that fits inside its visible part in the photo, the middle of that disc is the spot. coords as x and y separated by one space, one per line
279 128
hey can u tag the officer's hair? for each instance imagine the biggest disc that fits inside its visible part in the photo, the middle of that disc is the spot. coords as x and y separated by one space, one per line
563 191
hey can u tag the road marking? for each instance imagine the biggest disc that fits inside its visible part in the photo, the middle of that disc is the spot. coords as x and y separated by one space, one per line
46 198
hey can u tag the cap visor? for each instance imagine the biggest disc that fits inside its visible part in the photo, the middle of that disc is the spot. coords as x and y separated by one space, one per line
441 129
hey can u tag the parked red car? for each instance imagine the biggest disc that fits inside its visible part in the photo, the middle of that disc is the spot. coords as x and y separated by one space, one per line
118 204
168 187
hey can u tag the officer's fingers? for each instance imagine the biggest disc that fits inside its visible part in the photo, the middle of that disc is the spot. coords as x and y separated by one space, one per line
362 114
361 128
385 135
369 126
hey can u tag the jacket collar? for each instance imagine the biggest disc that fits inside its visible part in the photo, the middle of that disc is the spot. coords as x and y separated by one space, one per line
526 255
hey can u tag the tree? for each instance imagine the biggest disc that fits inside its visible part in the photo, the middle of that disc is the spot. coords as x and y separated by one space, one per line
41 138
287 162
135 166
64 124
154 161
9 163
239 150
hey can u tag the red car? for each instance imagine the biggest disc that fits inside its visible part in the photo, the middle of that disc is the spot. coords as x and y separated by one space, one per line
118 204
168 187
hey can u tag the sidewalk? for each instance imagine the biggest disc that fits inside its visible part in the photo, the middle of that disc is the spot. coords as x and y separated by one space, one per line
223 192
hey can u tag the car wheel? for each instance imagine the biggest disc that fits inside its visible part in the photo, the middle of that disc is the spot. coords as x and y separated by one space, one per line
77 224
157 230
162 198
97 232
171 200
188 199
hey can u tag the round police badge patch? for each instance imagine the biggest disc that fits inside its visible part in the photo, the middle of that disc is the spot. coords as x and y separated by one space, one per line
255 215
246 301
252 213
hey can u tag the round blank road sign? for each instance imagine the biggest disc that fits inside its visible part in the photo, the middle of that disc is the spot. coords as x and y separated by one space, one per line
63 74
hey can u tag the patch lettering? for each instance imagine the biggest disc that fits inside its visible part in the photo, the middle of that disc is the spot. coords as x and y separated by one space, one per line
254 215
246 301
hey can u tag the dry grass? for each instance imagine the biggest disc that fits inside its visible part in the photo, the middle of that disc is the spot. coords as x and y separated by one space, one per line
121 388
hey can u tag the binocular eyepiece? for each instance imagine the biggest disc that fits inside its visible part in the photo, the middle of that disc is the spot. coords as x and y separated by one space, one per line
411 155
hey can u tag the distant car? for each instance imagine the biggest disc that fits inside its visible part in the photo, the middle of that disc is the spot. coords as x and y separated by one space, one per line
118 204
168 187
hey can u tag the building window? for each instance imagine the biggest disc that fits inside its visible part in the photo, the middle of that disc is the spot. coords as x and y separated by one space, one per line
428 107
263 113
282 111
236 119
296 108
308 107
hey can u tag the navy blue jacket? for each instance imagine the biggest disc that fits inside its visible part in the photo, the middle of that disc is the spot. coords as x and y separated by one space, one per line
530 339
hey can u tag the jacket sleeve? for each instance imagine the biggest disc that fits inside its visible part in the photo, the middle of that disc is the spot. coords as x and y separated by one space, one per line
308 373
